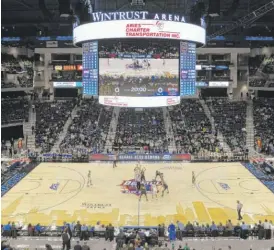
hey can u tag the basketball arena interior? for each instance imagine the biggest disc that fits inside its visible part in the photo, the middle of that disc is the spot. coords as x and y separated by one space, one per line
137 124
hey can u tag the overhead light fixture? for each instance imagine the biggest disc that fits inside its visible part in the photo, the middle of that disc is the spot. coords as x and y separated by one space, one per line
138 3
214 8
64 8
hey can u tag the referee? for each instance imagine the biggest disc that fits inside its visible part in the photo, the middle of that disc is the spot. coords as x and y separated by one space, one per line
239 210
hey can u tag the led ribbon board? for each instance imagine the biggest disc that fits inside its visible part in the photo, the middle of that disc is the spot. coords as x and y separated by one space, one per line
139 29
141 102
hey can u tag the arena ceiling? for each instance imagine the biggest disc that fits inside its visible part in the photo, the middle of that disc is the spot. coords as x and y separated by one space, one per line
29 16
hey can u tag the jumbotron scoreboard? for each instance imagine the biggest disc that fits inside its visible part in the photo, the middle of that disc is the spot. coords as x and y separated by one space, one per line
139 80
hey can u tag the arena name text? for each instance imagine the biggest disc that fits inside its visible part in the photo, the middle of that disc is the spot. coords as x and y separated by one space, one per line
135 15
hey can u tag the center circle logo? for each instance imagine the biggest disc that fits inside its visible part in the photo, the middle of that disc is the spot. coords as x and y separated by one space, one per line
130 186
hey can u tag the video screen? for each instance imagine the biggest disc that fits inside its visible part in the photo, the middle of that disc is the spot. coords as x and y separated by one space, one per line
138 77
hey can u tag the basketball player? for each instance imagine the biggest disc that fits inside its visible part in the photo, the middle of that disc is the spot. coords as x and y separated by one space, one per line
165 188
89 179
138 167
115 161
138 170
137 177
164 184
143 191
148 64
158 173
193 178
154 190
143 178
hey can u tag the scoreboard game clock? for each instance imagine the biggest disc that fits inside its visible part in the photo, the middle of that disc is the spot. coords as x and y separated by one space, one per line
139 80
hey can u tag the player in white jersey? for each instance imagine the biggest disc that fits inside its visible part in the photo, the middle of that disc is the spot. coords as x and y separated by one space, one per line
89 179
138 167
154 189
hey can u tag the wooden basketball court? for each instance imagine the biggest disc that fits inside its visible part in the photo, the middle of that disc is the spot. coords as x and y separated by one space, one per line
57 192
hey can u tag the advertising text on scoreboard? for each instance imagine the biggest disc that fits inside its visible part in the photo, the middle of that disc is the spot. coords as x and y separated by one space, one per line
159 29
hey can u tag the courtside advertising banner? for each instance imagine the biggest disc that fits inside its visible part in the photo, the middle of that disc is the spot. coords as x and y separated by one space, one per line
139 29
141 157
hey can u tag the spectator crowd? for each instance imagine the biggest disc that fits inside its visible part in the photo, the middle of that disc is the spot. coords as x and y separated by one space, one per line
230 120
14 110
269 65
257 82
271 84
260 67
16 71
137 239
50 120
143 129
254 64
156 49
264 125
192 129
89 128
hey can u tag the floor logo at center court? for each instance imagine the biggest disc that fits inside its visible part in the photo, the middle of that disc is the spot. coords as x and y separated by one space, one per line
130 186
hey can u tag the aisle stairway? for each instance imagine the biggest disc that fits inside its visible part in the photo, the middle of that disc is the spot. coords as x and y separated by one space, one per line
220 137
208 114
169 130
62 135
249 127
28 131
112 129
